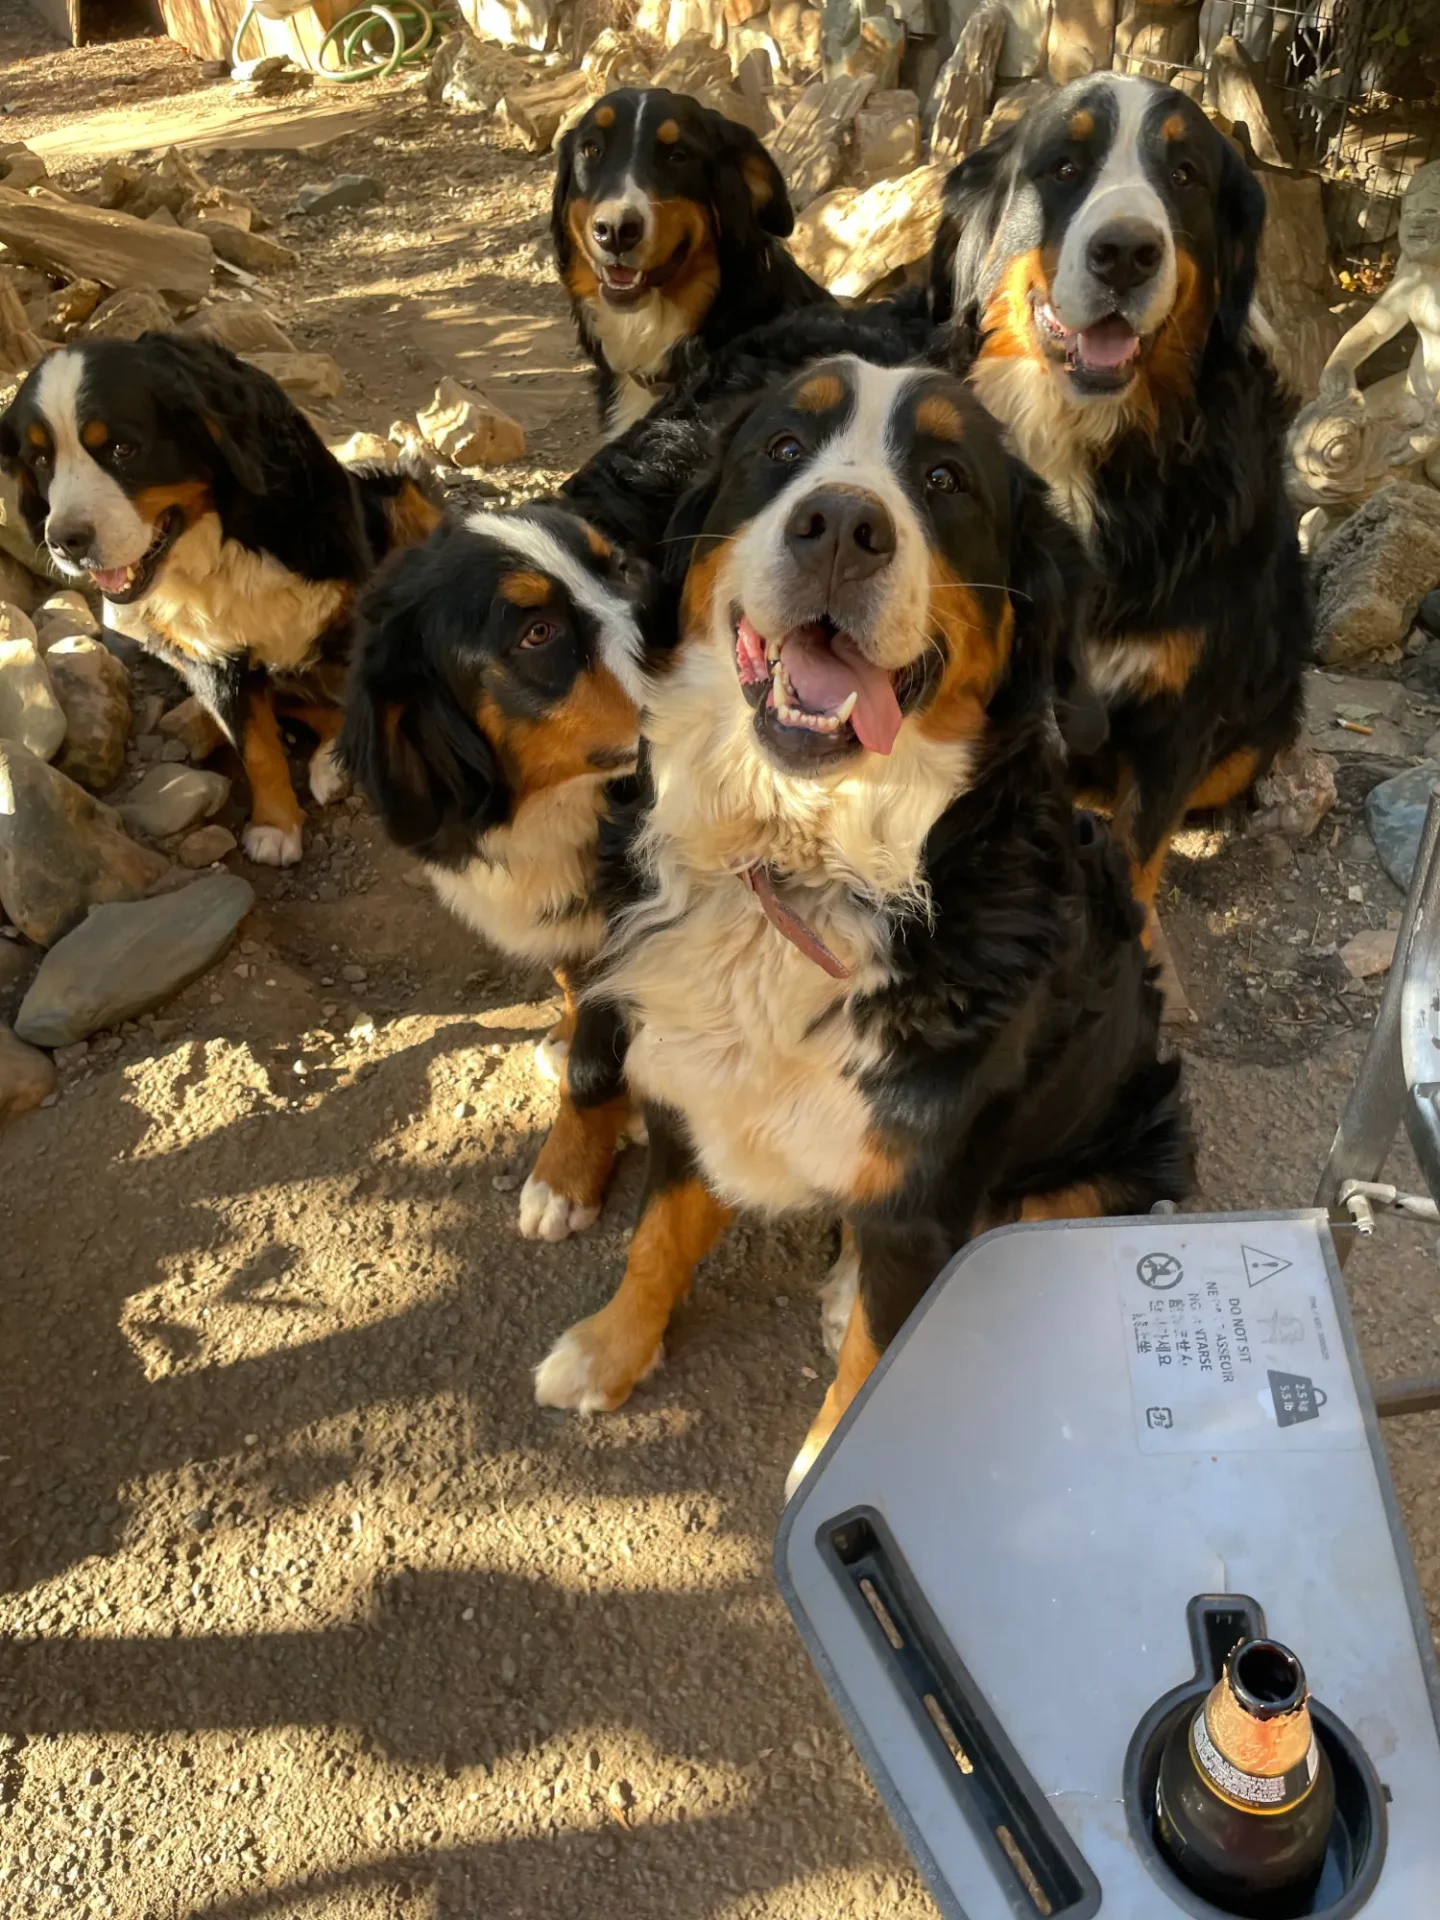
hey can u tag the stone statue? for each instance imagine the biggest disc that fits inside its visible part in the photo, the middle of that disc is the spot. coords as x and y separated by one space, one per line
1347 442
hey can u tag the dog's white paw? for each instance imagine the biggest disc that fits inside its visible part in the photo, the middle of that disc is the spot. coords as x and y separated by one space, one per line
804 1460
328 779
837 1296
273 846
547 1215
550 1057
636 1131
583 1373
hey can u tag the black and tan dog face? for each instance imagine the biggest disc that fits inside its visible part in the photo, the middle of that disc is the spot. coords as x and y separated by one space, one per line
117 447
853 564
495 663
1103 237
651 187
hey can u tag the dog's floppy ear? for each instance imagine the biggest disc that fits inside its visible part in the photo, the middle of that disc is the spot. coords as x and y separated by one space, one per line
1051 588
560 198
246 415
748 188
1242 219
974 198
422 761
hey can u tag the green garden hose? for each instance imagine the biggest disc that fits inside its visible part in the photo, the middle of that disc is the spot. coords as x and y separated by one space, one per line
385 37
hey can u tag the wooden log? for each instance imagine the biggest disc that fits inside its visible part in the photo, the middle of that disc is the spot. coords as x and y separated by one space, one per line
1082 39
965 83
1155 37
88 243
1243 97
807 147
20 345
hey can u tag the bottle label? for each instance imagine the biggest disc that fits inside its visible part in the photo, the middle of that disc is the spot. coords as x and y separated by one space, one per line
1256 1792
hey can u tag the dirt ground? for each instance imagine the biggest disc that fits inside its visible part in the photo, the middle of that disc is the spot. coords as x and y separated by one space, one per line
311 1613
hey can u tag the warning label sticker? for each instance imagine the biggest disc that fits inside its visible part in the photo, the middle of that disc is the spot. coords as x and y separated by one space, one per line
1233 1346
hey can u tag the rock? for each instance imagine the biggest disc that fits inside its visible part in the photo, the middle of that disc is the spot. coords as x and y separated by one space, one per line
193 727
1375 570
71 307
467 430
16 960
1294 287
1244 97
536 112
514 23
20 345
965 83
16 625
123 960
807 147
125 316
174 751
89 243
161 217
798 30
613 60
366 448
94 689
349 190
22 169
242 325
20 589
253 251
1395 814
464 75
1369 952
205 846
239 217
169 799
120 184
886 139
29 709
60 850
1296 794
70 605
56 627
1428 612
874 51
27 1076
1080 40
852 239
308 378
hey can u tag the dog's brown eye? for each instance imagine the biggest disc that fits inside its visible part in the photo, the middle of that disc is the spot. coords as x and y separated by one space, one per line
1183 175
121 450
1066 171
537 633
590 150
943 478
785 450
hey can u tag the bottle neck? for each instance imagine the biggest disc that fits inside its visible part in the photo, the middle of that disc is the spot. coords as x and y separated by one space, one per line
1259 1765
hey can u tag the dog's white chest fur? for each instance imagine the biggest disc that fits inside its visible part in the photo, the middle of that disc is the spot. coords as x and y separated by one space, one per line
530 892
752 1042
217 599
635 341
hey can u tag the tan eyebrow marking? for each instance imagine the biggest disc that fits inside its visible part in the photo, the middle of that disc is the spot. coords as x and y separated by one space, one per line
525 589
1082 124
941 417
1174 127
826 390
668 131
604 116
36 435
95 433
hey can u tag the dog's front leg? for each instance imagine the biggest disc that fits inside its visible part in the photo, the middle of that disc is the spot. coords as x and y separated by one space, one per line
275 836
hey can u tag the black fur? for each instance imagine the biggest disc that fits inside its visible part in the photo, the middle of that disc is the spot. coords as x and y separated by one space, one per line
1192 531
722 169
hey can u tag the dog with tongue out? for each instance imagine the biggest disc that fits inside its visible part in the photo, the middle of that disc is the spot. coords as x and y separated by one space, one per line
869 960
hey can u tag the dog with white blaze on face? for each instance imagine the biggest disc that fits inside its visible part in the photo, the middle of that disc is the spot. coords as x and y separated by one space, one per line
196 496
873 962
1096 266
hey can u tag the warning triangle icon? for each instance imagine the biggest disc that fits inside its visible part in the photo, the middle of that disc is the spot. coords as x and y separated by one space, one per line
1261 1266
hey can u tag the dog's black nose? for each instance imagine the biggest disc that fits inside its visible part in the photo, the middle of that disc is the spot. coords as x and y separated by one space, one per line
74 538
840 534
1124 254
617 230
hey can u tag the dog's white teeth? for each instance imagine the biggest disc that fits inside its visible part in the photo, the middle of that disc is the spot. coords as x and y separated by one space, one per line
846 708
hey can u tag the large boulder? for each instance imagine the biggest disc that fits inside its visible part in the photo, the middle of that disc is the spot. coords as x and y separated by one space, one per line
29 709
1375 570
93 688
61 851
123 960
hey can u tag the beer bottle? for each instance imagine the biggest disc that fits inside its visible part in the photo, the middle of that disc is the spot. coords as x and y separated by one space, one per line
1246 1796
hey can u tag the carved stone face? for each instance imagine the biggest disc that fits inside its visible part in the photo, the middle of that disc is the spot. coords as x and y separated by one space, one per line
1420 216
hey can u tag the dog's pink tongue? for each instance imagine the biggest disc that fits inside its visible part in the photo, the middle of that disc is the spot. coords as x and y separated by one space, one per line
1109 343
111 579
825 672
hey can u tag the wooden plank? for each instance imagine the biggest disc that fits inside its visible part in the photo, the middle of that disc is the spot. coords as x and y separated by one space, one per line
1082 39
89 243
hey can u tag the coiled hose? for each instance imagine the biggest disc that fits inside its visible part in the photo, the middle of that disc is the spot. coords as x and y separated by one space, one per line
370 43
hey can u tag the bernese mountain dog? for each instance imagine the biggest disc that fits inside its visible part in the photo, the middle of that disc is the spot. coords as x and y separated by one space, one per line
875 963
194 494
491 721
668 222
1096 265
